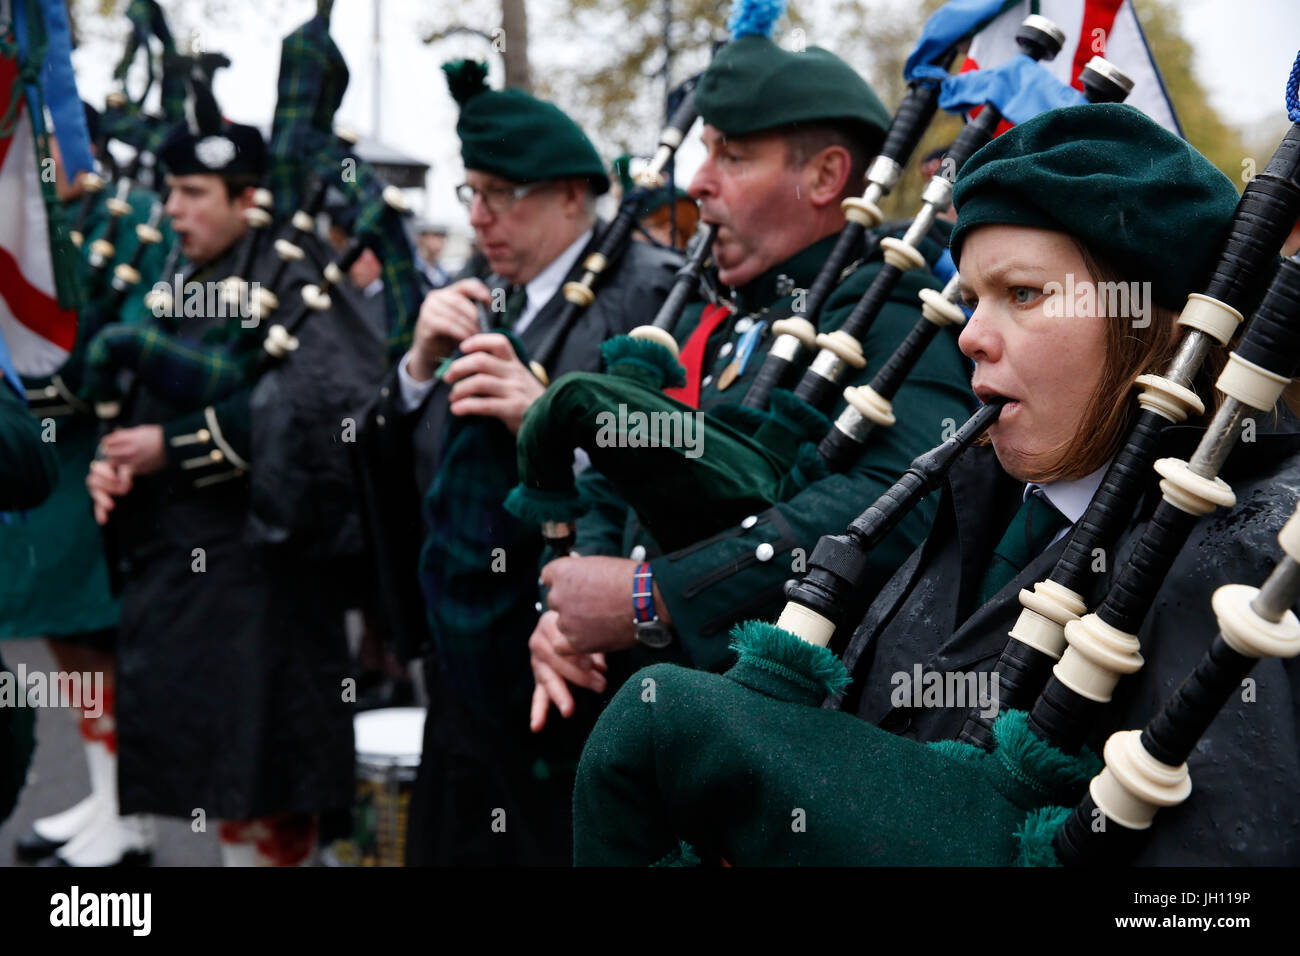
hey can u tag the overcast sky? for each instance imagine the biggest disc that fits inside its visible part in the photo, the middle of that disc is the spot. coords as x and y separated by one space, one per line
1244 50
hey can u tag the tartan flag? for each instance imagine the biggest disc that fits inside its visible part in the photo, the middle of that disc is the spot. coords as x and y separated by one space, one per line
1107 28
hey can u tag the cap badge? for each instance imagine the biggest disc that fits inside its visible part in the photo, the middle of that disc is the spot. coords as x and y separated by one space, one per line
215 152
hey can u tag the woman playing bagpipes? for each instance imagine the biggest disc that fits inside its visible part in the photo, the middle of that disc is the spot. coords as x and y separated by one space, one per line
1057 220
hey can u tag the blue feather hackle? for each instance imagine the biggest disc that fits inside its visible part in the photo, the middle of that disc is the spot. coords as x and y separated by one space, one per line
755 18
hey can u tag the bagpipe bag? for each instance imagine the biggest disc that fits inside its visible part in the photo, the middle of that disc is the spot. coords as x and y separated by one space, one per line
687 766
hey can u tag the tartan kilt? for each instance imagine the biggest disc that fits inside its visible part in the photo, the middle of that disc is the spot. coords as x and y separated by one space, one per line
230 684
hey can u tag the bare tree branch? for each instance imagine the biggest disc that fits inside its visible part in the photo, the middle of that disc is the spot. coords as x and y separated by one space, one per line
437 35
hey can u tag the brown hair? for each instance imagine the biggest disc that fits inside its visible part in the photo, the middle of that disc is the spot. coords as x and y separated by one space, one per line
236 184
1112 409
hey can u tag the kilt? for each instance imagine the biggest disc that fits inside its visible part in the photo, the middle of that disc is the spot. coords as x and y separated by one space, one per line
230 679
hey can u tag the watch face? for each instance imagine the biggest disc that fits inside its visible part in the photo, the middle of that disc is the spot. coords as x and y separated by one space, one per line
654 634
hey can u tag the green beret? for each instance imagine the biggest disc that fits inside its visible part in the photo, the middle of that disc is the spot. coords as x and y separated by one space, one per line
516 136
1129 190
753 85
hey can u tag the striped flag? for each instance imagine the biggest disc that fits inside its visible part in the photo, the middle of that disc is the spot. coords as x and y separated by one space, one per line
1106 28
38 332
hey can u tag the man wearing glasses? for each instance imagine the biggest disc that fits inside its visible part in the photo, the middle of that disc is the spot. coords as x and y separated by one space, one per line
460 581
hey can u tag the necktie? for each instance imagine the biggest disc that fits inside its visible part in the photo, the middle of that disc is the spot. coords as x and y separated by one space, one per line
516 302
1030 533
692 355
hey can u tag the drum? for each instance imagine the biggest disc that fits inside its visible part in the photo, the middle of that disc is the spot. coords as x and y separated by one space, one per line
389 742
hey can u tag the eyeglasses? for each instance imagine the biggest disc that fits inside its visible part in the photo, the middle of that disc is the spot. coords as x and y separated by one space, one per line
498 199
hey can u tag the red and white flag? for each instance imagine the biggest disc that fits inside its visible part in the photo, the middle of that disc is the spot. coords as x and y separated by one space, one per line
38 333
1107 28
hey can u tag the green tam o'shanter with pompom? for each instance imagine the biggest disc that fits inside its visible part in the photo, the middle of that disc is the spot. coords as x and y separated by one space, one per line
518 137
753 85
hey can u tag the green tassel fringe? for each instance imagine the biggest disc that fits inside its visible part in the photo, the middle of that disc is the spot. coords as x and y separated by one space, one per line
1038 763
768 646
958 750
639 356
1036 834
808 467
740 417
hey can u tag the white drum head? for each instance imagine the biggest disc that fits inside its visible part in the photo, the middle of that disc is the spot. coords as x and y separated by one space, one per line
391 735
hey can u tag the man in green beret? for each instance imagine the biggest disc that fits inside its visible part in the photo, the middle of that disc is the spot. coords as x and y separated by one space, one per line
460 581
788 136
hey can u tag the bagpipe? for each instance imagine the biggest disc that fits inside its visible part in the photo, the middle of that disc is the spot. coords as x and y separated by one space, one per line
686 767
126 275
125 117
841 350
124 120
756 458
686 284
308 156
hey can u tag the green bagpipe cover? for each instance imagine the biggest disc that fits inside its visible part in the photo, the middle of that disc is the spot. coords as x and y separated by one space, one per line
746 767
687 474
313 79
478 569
129 123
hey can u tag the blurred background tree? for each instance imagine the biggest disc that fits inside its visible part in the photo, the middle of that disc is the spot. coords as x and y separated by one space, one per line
615 83
605 61
1222 144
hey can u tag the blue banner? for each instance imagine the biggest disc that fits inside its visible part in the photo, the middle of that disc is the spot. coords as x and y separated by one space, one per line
945 28
58 85
1019 88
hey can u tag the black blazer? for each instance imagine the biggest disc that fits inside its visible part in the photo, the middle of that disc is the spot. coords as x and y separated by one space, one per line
1245 773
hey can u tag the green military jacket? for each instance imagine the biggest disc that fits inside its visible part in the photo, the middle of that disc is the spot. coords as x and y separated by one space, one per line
739 574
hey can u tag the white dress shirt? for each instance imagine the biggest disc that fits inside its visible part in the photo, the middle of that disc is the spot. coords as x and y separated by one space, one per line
1070 498
547 283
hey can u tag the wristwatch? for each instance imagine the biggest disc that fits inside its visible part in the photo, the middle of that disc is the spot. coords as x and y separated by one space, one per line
650 631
